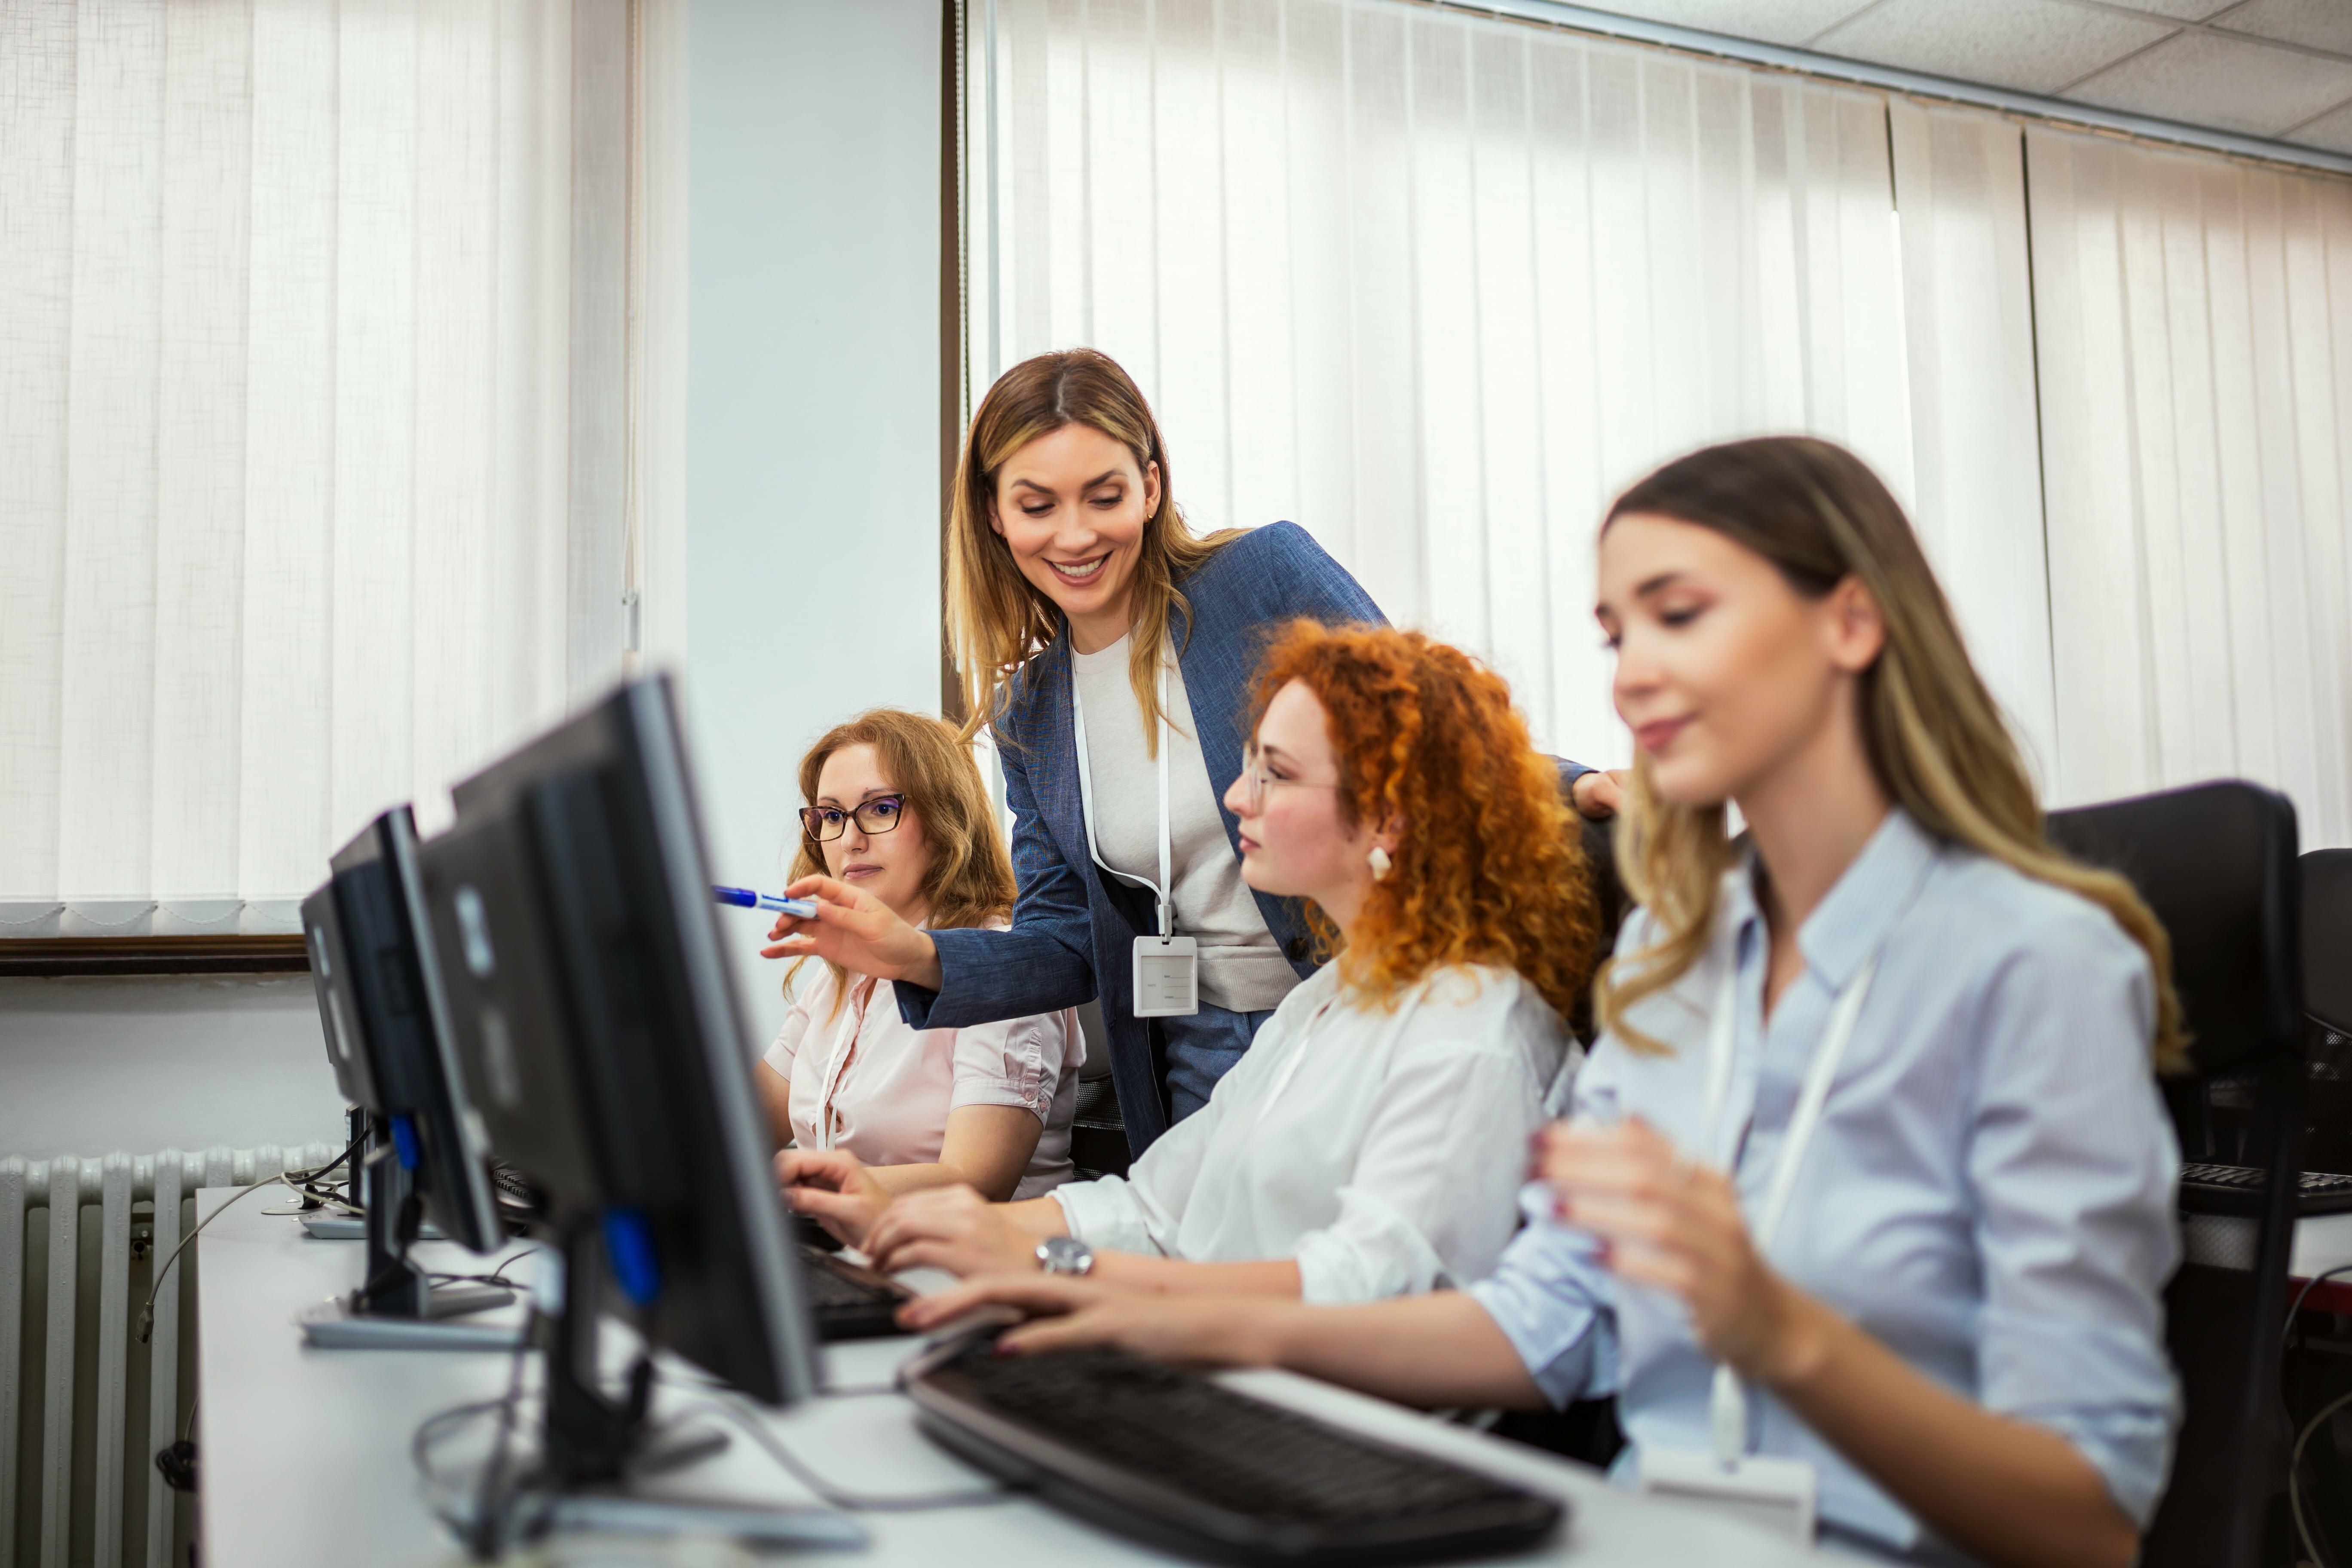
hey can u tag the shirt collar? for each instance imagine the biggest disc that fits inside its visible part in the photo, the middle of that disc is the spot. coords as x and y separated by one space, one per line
1847 926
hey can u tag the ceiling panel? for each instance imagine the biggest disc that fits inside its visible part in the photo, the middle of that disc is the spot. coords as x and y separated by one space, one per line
2333 132
2178 10
2321 24
2031 45
2205 80
1766 21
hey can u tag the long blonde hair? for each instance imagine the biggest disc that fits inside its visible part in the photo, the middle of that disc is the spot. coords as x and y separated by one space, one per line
969 881
997 619
1933 732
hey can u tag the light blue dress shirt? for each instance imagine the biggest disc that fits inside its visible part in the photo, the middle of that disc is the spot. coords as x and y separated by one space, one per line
1990 1191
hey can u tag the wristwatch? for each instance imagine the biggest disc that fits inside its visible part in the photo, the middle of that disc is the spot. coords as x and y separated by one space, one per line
1064 1255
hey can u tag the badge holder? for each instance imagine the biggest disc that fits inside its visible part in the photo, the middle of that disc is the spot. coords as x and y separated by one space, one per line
1777 1494
1167 972
1167 977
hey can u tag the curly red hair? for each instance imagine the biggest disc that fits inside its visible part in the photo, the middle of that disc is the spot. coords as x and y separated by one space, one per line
1491 866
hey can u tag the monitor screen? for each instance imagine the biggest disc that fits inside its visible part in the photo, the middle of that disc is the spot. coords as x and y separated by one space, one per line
387 1025
571 907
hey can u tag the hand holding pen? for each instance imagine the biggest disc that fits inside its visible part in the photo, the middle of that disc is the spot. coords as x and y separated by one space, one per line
745 899
856 930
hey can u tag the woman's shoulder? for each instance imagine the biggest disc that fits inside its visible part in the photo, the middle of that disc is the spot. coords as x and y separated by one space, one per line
1277 562
1986 917
1480 1006
1027 686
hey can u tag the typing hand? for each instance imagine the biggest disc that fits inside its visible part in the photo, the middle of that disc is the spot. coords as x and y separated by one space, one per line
1203 1330
1675 1225
952 1229
856 930
835 1189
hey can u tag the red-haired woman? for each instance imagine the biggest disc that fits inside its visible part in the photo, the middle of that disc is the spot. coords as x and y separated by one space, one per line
1370 1143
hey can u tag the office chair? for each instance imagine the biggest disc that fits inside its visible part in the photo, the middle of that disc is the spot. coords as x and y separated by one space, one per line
2313 1378
2216 862
1097 1131
2327 999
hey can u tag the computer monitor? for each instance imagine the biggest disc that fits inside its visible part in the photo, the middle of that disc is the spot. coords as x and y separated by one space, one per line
597 1024
387 1031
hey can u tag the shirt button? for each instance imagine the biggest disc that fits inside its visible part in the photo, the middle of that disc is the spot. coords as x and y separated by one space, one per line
1294 950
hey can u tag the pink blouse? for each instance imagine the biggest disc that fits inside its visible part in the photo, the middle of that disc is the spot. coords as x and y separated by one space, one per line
864 1081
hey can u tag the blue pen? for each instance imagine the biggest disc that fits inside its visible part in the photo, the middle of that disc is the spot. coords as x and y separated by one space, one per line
745 899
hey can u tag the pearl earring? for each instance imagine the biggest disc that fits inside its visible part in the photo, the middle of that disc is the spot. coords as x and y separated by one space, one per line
1380 862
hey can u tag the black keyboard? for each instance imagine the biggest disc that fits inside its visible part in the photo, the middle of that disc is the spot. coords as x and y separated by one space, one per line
849 1302
2238 1189
1182 1461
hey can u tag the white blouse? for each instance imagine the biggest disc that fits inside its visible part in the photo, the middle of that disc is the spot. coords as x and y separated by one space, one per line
864 1081
1379 1148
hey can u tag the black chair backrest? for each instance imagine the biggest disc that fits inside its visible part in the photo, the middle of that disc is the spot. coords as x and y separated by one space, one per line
2216 863
1600 854
2327 938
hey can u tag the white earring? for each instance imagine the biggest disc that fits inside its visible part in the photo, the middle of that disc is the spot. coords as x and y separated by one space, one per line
1380 862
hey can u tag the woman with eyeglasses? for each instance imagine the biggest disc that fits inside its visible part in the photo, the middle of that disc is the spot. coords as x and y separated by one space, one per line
897 810
1370 1143
1108 648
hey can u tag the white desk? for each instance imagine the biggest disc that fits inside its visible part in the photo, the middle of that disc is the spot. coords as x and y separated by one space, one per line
304 1454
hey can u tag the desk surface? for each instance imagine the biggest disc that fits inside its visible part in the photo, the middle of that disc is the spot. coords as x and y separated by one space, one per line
304 1453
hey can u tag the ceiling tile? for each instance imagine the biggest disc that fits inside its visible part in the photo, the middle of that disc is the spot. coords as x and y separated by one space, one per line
2178 10
2332 131
2031 45
2320 24
2201 79
1764 21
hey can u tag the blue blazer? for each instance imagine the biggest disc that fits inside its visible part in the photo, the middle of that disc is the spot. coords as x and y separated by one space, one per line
1073 927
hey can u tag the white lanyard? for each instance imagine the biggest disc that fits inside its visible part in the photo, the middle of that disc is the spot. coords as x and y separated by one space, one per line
1163 892
1728 1403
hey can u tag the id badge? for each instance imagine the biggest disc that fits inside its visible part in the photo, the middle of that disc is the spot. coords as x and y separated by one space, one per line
1777 1494
1167 977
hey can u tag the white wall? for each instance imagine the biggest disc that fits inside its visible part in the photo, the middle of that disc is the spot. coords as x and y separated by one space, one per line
792 526
812 403
89 1066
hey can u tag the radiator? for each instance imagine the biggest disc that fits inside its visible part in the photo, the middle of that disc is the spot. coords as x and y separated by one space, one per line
39 1531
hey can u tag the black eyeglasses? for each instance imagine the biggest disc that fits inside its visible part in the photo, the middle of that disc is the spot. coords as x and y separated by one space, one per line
880 814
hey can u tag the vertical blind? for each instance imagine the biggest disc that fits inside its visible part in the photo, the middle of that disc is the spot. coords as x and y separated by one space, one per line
1434 286
285 412
2196 340
1976 485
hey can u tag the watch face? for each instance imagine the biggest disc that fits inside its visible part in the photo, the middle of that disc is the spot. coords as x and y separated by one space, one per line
1064 1255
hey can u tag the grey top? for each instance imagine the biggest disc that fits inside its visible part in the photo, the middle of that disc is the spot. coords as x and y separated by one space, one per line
1242 966
1989 1192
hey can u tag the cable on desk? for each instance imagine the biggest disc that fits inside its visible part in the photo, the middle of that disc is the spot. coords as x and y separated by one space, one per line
836 1497
2294 1472
147 1311
492 1497
2308 1286
484 1534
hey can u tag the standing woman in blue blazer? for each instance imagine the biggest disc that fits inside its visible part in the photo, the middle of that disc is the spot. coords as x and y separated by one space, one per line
1080 604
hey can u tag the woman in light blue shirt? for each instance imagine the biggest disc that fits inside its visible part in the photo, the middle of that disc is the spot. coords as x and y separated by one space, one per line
1868 1192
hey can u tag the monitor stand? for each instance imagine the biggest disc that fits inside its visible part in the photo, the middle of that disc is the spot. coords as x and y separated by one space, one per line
593 1447
397 1306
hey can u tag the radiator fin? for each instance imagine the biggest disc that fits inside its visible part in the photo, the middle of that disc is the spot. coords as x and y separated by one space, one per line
117 1479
